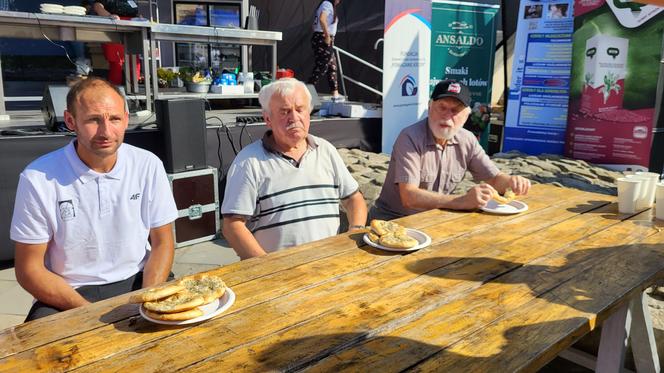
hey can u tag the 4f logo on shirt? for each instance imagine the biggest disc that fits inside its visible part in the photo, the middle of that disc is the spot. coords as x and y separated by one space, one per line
135 196
67 211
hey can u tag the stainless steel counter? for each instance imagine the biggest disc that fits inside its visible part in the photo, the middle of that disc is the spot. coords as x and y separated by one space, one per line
133 34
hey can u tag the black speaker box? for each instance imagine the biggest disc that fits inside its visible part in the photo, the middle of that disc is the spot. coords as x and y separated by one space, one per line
182 125
53 105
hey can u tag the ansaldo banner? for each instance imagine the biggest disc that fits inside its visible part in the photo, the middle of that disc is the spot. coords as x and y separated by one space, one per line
536 116
617 48
463 41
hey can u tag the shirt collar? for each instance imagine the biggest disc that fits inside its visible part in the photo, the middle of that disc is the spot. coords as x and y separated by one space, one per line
270 145
431 140
85 173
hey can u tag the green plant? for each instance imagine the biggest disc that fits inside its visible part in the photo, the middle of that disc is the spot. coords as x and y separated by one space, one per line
610 84
167 74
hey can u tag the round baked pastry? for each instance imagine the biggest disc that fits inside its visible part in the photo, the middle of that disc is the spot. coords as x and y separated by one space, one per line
178 316
179 302
208 286
382 227
156 293
398 241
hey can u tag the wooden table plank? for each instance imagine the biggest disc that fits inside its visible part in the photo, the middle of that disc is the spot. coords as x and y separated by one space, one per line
451 323
332 295
309 295
39 332
560 316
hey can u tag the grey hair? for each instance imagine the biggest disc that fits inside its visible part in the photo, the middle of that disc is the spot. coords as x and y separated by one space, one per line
282 87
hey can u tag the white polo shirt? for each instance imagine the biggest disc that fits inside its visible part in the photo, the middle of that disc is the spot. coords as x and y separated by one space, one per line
96 225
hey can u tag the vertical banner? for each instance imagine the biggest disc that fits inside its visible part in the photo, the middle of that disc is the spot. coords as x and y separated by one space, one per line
406 51
463 42
536 117
615 71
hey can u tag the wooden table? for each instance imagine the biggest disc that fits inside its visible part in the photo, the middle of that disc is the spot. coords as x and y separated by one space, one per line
492 293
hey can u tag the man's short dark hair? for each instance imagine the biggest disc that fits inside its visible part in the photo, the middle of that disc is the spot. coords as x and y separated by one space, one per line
90 83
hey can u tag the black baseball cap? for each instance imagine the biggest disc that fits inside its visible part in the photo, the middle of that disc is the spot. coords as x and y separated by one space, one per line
451 88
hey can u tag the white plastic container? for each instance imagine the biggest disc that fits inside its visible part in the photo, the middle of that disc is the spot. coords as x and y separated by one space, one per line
249 83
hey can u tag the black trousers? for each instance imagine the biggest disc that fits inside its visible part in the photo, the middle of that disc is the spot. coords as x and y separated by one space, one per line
325 63
92 293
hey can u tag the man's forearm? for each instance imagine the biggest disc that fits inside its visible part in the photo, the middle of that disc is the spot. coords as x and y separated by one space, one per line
415 198
160 262
158 266
500 182
49 288
356 209
241 240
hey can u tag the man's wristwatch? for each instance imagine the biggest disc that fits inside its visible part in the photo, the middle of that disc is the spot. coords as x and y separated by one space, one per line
356 226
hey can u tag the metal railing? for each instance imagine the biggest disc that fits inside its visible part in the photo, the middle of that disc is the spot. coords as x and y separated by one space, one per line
338 51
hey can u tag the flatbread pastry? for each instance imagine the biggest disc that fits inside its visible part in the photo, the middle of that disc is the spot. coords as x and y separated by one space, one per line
156 293
382 227
398 241
373 236
178 316
179 302
505 198
208 286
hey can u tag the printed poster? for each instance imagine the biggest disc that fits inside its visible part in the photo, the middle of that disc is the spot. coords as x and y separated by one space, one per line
405 66
463 42
536 117
615 73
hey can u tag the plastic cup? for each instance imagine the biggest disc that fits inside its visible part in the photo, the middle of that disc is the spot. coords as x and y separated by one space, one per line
642 198
649 191
659 206
629 192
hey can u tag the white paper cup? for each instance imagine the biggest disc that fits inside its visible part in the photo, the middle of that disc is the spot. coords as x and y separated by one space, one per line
648 190
629 193
659 206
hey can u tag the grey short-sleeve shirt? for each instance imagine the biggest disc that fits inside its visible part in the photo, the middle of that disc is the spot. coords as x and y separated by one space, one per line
417 159
288 204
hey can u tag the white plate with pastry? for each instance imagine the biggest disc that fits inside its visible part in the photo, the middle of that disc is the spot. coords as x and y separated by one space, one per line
420 238
512 207
209 311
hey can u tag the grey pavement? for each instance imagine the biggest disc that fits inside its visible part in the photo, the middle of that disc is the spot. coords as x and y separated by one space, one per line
190 259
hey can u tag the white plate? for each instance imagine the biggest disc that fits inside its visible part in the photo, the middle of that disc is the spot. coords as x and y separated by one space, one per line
49 11
51 6
210 310
74 13
75 8
421 237
513 207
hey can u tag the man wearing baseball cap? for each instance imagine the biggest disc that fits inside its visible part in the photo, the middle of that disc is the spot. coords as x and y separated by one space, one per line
430 158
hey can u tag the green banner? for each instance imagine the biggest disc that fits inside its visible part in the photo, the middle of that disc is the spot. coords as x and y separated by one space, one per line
463 40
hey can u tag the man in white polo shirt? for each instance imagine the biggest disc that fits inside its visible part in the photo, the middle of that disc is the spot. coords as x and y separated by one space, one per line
285 189
83 213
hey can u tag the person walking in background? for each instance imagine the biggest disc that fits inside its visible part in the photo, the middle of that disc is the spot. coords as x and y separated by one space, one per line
322 41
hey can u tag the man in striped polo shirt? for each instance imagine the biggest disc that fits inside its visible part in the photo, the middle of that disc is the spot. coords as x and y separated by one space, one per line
284 190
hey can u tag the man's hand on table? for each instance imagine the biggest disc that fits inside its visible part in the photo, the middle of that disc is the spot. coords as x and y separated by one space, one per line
476 197
519 185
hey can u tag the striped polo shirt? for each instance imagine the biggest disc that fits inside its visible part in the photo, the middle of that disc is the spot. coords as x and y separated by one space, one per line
287 203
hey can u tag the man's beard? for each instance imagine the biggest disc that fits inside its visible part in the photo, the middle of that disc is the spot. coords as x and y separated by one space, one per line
446 133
